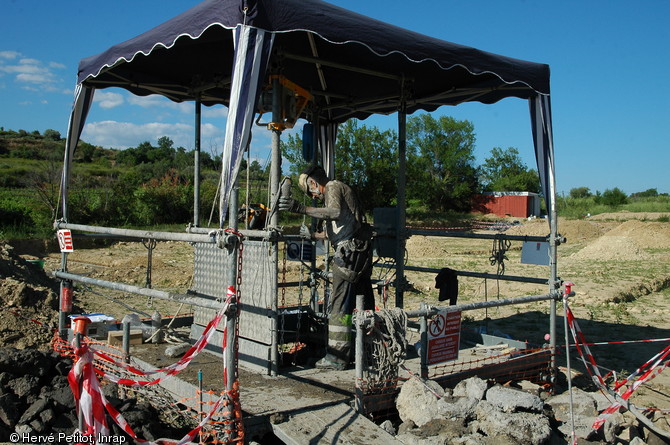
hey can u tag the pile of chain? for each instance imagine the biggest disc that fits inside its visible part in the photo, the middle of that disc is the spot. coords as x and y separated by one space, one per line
385 345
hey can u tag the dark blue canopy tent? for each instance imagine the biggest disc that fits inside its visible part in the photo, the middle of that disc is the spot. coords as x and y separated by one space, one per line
223 51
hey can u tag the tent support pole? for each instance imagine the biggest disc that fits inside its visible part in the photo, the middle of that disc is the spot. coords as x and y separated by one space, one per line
275 173
400 224
196 164
554 281
231 344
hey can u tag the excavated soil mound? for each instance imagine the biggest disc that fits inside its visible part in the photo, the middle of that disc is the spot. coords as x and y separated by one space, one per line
576 231
626 215
627 242
610 247
29 300
648 235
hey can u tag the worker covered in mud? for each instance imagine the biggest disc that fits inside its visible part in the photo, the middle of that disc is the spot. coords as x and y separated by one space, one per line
350 235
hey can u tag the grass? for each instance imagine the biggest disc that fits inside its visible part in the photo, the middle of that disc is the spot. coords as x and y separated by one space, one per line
574 208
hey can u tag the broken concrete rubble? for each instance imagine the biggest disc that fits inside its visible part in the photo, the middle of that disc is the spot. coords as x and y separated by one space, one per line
476 412
35 398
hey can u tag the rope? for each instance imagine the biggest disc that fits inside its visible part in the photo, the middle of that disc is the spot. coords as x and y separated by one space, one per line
387 343
498 251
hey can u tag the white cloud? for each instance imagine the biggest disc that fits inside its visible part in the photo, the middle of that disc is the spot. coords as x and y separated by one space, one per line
9 54
148 101
216 111
28 61
30 74
113 134
35 78
157 101
108 99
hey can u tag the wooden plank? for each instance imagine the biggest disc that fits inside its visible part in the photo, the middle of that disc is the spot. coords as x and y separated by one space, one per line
115 338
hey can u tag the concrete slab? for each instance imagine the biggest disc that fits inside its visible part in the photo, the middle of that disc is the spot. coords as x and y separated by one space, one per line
330 424
301 406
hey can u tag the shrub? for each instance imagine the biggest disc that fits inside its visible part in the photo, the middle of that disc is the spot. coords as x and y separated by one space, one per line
614 197
14 214
165 200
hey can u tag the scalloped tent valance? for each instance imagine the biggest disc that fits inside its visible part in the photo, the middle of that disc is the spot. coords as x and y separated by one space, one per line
354 65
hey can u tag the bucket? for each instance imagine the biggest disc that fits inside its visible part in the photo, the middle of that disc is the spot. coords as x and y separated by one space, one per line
38 263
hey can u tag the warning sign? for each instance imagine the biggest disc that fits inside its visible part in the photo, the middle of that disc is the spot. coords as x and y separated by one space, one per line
444 337
65 240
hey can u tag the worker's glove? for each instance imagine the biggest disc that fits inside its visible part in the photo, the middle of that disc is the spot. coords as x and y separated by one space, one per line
305 232
290 205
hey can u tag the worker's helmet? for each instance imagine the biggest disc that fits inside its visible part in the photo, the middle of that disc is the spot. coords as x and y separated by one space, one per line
302 183
304 176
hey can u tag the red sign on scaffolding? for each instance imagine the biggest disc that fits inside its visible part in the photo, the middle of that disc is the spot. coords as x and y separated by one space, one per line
444 337
65 240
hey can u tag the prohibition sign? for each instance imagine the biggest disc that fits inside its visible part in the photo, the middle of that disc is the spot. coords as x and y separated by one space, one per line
444 332
436 326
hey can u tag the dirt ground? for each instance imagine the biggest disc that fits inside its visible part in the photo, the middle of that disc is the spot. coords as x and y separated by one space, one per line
619 264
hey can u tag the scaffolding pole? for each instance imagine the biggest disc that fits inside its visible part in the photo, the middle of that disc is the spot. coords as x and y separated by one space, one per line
147 292
488 236
142 234
491 276
429 311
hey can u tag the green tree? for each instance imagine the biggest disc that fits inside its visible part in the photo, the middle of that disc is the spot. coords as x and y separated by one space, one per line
366 160
165 142
440 162
614 197
580 192
649 193
291 150
85 151
504 171
53 135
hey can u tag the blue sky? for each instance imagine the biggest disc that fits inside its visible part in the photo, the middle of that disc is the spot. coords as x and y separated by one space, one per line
609 59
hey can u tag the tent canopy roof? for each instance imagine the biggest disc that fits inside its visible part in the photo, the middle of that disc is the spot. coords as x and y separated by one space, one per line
354 66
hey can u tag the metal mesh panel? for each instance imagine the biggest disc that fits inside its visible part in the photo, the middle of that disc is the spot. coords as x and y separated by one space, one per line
212 270
259 291
212 274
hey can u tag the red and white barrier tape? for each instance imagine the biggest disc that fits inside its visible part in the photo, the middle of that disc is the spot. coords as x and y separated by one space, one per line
621 342
176 367
646 372
92 404
656 365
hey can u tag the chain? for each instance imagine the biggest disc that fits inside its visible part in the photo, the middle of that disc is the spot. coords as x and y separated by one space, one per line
239 269
283 301
238 292
283 277
150 245
300 294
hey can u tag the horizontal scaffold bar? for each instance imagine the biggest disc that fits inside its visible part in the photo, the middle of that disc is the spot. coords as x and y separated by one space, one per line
142 234
433 310
145 291
262 234
492 236
492 276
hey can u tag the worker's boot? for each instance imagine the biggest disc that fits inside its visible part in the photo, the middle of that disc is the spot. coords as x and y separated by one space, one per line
339 342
